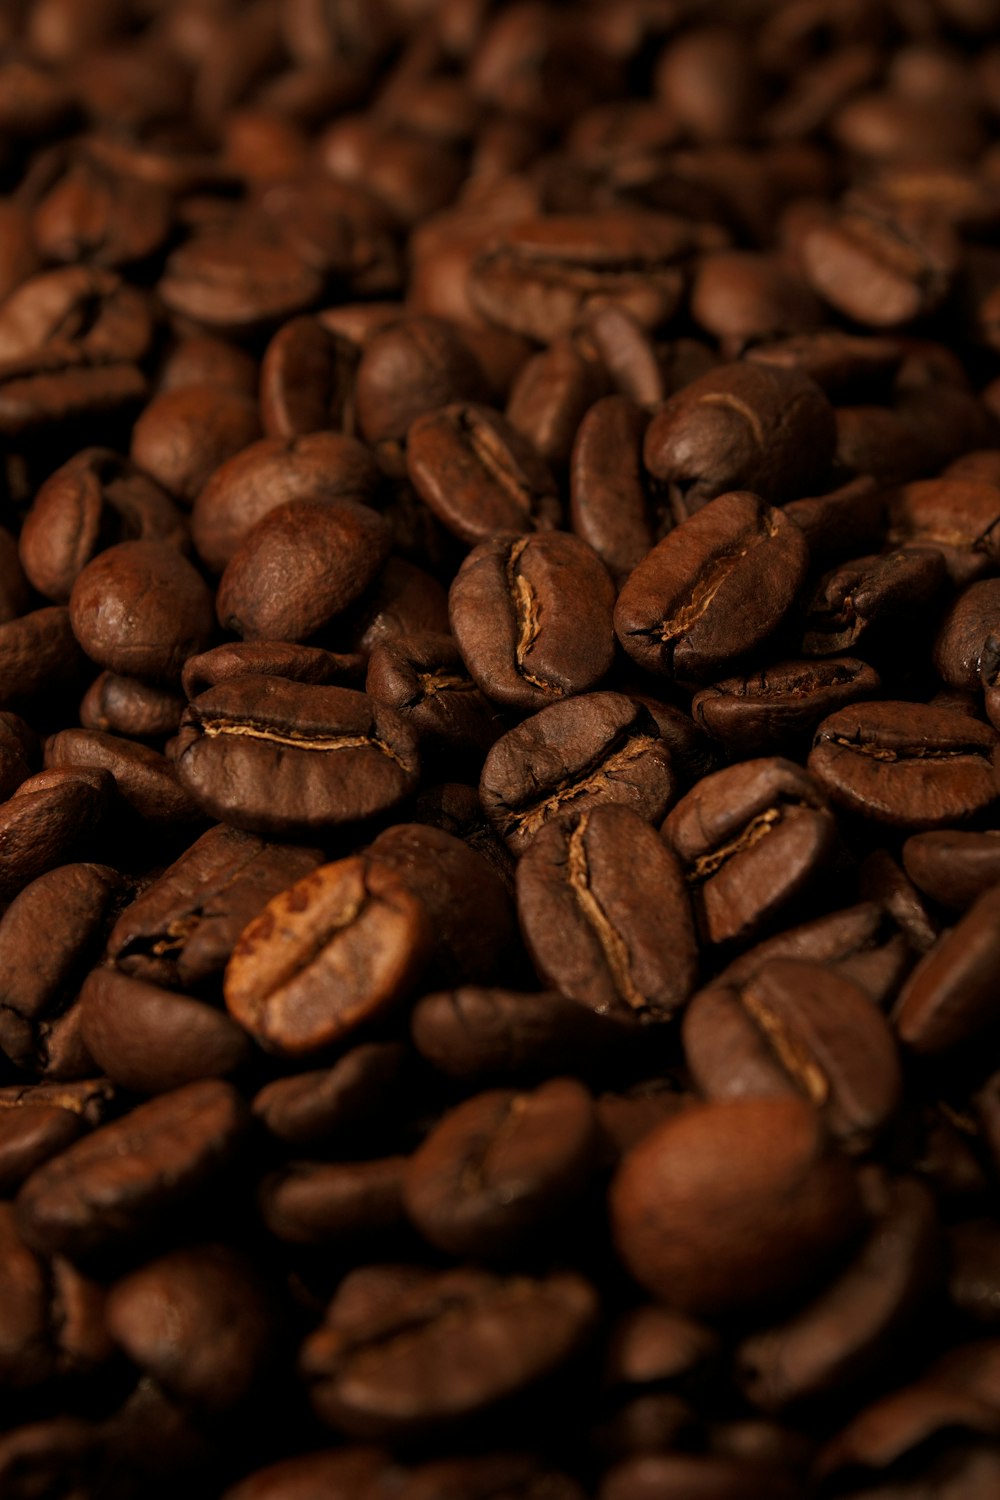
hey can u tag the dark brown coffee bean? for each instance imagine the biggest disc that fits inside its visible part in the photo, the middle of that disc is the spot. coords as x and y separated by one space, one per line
488 1035
38 654
779 706
343 946
274 756
948 998
532 618
878 270
128 706
18 752
609 504
541 277
306 379
952 867
406 601
392 1370
837 1338
146 781
37 1121
49 390
149 1040
471 915
731 1205
352 1207
267 474
133 1176
910 765
94 213
838 523
299 567
550 397
675 1476
411 367
44 820
742 427
201 359
327 1107
184 435
961 517
235 282
183 927
627 352
79 314
62 1452
606 914
798 1028
197 1321
141 609
478 475
501 1168
744 298
750 838
483 1476
423 678
713 590
271 659
967 647
94 500
867 598
600 747
341 1474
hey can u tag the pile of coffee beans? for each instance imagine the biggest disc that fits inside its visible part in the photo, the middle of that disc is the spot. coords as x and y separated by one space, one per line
499 724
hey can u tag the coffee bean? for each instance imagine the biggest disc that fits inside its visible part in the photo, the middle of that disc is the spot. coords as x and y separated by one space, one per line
184 435
411 367
946 1000
728 1205
610 507
274 756
597 748
39 654
422 677
909 765
338 1474
960 517
351 1207
713 590
878 271
836 523
344 945
306 379
550 397
271 659
236 282
779 706
967 647
532 618
870 597
331 1104
37 1121
145 780
953 867
44 820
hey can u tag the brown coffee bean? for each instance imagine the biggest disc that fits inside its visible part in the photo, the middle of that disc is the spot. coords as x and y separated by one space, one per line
411 367
501 1168
405 601
50 390
798 1028
910 765
673 1476
953 867
352 1207
779 706
306 379
741 427
328 1106
550 397
339 1474
868 598
197 1321
391 1369
947 1000
606 914
961 517
299 567
878 270
609 504
236 282
128 706
532 618
967 647
848 1330
37 1121
94 213
274 756
94 500
268 474
478 475
146 781
79 314
63 1451
713 590
184 435
750 838
343 946
38 654
600 747
742 298
732 1205
134 1175
140 608
839 522
45 819
422 678
271 659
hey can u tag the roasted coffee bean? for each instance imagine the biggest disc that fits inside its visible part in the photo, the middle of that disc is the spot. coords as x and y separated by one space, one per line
274 756
134 1175
875 269
967 647
779 706
713 590
910 765
947 999
196 1320
744 298
236 282
392 1368
299 567
270 473
146 781
180 931
532 618
37 1121
411 367
46 819
742 427
837 523
731 1205
306 379
610 504
352 1207
750 838
338 1475
502 1168
141 609
344 945
38 654
128 706
184 435
598 748
798 1028
478 475
863 600
606 914
544 272
953 867
406 601
271 659
18 752
672 1476
550 397
960 517
149 1040
470 913
328 1106
422 677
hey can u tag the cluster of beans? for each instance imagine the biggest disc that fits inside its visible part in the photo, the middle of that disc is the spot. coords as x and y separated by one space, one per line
499 722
